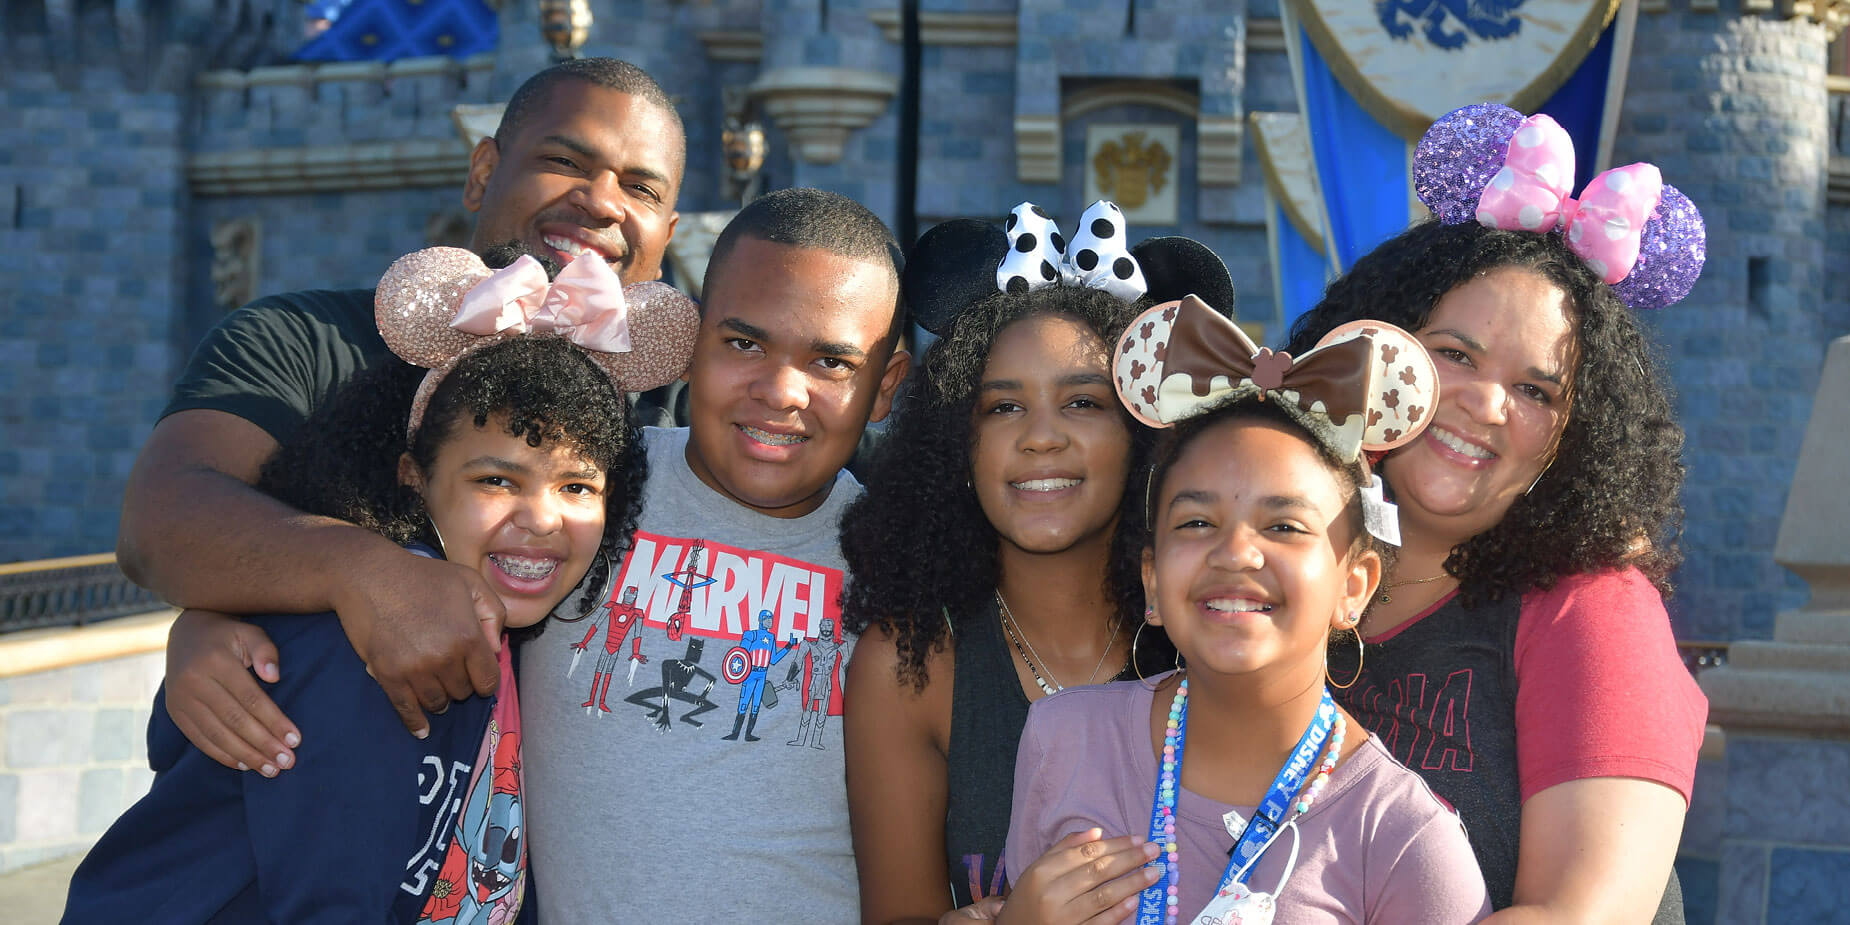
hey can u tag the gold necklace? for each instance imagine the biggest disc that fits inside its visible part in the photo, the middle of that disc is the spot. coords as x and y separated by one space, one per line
1385 599
1018 637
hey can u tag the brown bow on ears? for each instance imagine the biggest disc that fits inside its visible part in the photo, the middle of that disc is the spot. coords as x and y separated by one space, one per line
1367 385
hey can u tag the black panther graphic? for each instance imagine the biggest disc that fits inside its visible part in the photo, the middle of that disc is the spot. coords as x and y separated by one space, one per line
1486 19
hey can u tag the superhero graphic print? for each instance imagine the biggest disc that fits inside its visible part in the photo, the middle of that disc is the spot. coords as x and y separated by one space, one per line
482 875
718 627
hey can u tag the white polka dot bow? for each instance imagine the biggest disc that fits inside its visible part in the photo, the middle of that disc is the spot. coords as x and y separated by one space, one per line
1097 258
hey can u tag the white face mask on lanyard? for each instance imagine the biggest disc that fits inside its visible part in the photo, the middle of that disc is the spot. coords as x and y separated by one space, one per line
1239 904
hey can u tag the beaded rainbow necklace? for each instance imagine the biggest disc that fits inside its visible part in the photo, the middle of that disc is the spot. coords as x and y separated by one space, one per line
1169 783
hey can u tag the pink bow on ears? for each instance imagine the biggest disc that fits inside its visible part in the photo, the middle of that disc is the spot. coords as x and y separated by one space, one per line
584 305
1530 193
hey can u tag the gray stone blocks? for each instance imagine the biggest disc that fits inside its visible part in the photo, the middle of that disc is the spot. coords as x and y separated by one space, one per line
74 754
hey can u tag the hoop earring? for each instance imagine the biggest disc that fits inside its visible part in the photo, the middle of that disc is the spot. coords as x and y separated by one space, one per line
1135 666
1149 487
598 601
1538 481
438 534
1360 654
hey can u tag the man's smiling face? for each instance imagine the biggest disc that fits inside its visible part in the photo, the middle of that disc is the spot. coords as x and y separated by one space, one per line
590 170
795 355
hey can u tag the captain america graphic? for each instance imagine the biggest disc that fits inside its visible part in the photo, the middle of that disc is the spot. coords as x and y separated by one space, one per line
746 665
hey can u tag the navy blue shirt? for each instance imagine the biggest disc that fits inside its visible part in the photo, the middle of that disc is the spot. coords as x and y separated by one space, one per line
352 833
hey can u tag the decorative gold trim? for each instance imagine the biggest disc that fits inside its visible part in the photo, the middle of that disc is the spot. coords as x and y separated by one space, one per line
1616 72
1128 93
1411 125
951 28
1309 229
1837 83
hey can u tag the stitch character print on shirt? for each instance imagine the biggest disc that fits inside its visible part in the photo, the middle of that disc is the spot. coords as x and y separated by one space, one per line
483 875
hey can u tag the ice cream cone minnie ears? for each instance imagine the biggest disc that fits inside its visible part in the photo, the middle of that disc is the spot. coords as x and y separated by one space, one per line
1487 163
437 305
963 261
1367 385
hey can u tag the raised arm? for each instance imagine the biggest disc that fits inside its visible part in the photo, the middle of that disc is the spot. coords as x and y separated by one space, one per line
1594 851
896 739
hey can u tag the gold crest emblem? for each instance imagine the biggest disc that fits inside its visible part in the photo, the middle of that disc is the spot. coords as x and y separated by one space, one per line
1130 168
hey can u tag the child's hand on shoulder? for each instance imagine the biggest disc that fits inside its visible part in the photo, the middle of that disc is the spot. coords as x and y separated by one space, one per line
1084 878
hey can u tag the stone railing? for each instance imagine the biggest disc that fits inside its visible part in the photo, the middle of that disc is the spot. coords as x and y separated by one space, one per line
68 592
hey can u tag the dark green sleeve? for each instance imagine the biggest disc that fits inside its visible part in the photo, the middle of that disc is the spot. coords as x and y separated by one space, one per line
276 360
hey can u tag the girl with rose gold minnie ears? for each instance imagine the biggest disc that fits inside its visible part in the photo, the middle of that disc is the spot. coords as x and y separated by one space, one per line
522 464
1260 544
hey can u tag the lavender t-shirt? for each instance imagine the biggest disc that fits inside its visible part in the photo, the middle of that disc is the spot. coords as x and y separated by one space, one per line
1377 846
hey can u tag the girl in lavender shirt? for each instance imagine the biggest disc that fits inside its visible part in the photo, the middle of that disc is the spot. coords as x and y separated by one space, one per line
1260 549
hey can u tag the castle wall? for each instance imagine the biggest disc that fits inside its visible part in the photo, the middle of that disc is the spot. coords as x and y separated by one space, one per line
92 205
1732 107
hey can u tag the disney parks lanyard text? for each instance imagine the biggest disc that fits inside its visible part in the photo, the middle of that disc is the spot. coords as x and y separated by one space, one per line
1153 906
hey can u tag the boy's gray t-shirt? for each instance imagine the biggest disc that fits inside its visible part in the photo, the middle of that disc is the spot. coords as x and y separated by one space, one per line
643 814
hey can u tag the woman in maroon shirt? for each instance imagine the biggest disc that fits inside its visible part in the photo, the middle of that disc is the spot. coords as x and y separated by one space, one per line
1518 655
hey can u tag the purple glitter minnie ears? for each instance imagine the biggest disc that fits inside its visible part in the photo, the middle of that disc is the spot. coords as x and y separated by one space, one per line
1486 162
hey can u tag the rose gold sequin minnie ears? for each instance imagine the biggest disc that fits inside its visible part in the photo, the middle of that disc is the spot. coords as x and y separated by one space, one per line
1367 385
437 305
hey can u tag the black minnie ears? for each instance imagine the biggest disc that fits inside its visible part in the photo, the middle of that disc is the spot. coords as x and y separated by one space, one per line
951 267
955 266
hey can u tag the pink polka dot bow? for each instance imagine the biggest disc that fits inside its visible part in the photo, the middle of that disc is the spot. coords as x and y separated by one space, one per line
1531 193
1488 163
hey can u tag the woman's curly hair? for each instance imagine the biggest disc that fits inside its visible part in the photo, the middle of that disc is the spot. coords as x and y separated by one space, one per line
343 462
1610 498
920 551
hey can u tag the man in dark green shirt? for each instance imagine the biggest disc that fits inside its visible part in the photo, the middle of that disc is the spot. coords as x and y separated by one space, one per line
588 159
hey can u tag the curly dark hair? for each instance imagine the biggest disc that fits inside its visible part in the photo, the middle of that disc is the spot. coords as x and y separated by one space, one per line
1611 496
918 547
344 461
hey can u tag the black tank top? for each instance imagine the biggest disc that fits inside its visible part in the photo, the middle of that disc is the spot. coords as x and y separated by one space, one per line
988 711
1441 696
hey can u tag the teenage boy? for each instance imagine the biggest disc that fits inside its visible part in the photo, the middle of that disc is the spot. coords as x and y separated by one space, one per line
695 792
588 158
676 797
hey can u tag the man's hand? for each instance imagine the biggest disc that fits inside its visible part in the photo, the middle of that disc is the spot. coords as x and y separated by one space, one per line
428 630
1083 878
215 701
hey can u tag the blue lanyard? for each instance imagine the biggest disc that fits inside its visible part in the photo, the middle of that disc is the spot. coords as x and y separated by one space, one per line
1270 814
